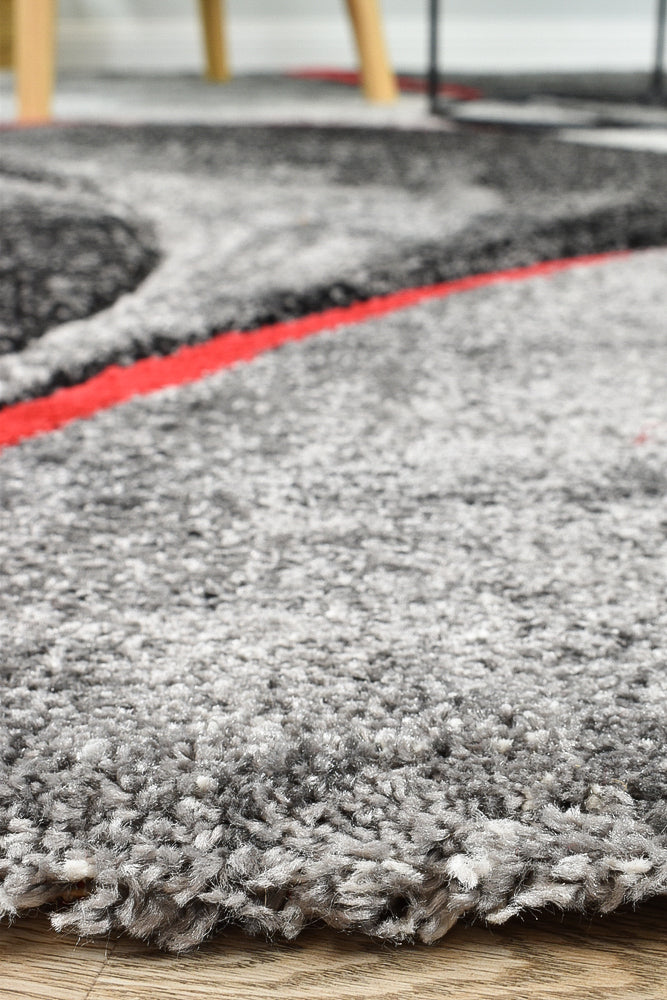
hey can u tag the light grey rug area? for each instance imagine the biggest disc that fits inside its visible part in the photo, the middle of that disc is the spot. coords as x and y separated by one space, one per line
371 630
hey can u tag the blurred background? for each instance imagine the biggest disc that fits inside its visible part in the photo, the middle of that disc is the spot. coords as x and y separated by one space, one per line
268 35
144 59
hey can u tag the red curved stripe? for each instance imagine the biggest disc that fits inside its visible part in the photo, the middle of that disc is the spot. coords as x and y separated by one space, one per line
407 84
116 384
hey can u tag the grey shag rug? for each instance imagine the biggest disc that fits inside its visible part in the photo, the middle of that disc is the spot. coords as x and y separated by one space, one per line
372 629
232 227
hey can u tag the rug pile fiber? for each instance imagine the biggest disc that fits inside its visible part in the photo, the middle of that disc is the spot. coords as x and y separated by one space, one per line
371 629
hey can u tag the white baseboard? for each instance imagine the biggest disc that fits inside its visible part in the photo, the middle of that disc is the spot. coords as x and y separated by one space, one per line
172 44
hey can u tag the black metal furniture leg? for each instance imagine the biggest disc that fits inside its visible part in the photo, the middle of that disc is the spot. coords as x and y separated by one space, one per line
657 91
433 71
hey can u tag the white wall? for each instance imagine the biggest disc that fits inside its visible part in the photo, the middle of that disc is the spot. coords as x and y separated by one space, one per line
162 35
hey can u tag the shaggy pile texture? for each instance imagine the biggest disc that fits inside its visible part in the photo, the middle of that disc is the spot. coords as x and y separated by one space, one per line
253 225
372 629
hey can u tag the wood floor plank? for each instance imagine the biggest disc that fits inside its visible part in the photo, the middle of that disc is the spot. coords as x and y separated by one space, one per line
621 957
37 963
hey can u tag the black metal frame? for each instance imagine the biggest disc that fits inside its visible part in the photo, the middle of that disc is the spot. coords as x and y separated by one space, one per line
657 91
657 85
433 57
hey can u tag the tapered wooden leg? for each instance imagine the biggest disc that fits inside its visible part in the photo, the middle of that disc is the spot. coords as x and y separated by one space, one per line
34 57
212 13
5 33
377 78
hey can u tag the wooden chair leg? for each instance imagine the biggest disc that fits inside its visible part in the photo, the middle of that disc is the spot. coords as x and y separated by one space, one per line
34 45
5 34
212 13
377 78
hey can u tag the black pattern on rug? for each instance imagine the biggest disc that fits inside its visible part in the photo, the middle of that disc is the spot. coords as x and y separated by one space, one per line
255 225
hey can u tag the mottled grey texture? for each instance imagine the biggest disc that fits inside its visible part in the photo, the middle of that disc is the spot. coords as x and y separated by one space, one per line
65 253
255 224
278 98
369 631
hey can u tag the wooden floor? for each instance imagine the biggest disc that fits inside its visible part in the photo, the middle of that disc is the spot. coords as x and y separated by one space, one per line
621 956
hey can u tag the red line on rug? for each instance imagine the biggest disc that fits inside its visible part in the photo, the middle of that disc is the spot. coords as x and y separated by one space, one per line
407 84
116 384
